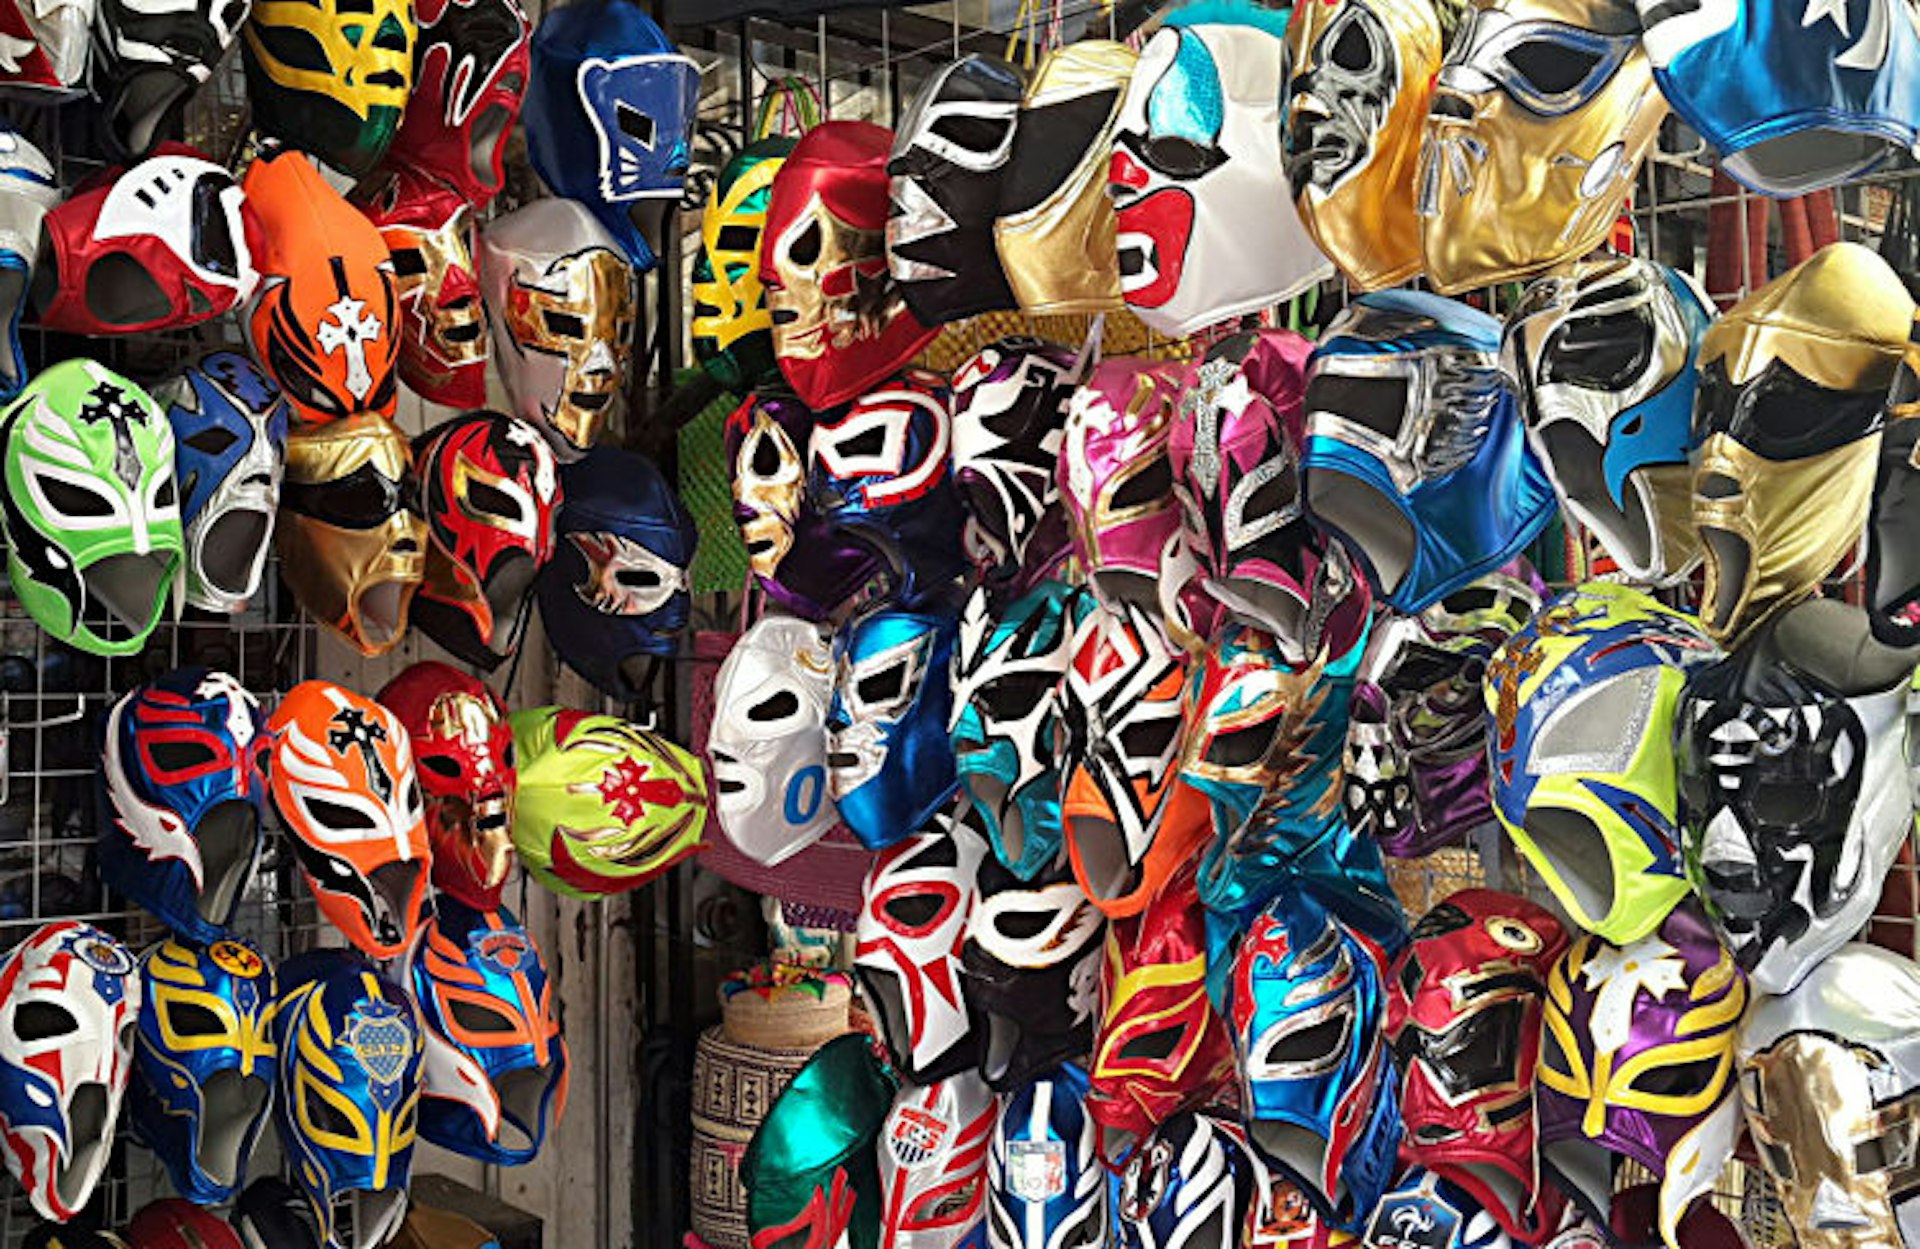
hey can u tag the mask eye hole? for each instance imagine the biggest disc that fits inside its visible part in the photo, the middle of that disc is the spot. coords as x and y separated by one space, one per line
563 324
493 500
163 493
1155 1046
1239 748
189 1019
180 756
71 500
916 912
336 816
975 134
441 765
1149 739
866 444
885 686
43 1021
1310 1045
638 579
212 440
408 262
763 458
1022 925
325 1116
635 124
293 46
1550 67
805 248
1150 483
1352 51
778 707
476 1018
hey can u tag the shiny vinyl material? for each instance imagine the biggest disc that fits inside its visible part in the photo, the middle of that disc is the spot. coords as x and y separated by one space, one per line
933 1164
768 742
1045 1185
812 1171
890 763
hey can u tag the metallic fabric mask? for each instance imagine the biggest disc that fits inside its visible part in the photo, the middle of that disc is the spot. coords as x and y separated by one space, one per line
1582 703
352 542
950 152
428 229
1416 764
1604 357
48 47
1363 73
768 742
1009 421
562 296
1637 1060
151 58
230 450
1056 231
1464 1004
1046 1188
1415 452
1788 421
1540 117
1196 174
1192 1184
1892 574
1793 764
204 1063
1426 1211
933 1165
331 77
1116 477
27 190
1306 1002
470 66
889 762
812 1170
732 330
839 323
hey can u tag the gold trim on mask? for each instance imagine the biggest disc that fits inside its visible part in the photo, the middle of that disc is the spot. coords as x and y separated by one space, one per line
484 824
774 502
1838 318
734 292
442 251
588 322
822 321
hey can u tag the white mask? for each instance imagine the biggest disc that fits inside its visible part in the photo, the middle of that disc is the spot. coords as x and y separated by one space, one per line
769 739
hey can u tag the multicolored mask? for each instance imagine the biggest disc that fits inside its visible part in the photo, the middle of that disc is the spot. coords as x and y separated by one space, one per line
933 1165
1637 1060
470 66
1056 231
1046 1188
732 330
185 786
331 77
27 190
561 297
428 228
889 762
1463 1018
812 1170
1009 421
1604 358
1415 452
49 47
768 743
1540 117
1192 1184
1426 1211
152 58
1116 477
1792 379
204 1064
1196 172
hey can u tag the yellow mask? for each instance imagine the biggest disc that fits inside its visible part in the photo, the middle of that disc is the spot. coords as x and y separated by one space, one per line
732 329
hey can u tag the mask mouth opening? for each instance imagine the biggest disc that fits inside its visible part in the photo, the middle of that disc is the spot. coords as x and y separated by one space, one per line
1101 848
13 294
523 1103
231 1106
506 590
394 884
124 592
381 612
234 551
883 992
489 129
88 1121
121 291
1300 1151
229 837
1003 1044
365 1218
990 794
1499 1183
1578 468
1370 520
148 102
1580 857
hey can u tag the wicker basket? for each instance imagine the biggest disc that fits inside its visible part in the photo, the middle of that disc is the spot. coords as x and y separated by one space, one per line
734 1086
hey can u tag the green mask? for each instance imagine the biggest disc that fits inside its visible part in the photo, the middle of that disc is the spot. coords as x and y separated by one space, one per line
91 518
732 329
812 1169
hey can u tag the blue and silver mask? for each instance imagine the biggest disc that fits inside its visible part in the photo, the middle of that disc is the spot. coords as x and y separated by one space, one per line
204 1063
230 449
1415 454
1187 1186
27 190
889 761
1046 1188
609 116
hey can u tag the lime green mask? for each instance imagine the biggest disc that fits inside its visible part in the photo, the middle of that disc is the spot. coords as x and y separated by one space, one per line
812 1170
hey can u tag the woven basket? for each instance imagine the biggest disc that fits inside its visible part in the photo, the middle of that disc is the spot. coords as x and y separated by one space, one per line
734 1086
788 1019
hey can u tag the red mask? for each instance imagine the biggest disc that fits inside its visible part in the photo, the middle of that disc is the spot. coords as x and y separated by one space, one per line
469 74
443 324
1464 1018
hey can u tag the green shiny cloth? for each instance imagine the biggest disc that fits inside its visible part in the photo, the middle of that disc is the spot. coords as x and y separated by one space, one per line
818 1145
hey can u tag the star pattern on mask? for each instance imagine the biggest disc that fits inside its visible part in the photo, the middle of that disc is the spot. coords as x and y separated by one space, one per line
1619 974
107 402
1827 10
354 731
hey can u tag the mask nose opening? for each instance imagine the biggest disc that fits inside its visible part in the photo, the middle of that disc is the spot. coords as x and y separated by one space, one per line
231 1107
229 837
129 587
87 1117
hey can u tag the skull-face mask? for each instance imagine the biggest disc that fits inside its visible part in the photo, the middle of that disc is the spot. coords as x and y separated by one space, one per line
469 73
47 46
732 330
428 229
1009 420
1637 1060
889 761
839 324
933 1164
352 542
1056 231
561 298
1362 76
151 58
331 77
1604 359
27 191
769 739
1196 174
949 153
1415 452
1539 120
1792 379
1117 479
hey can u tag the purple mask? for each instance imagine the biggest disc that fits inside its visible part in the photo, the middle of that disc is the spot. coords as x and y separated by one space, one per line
1116 477
1009 416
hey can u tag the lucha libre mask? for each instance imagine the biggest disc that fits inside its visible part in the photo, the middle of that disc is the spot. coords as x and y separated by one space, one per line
183 773
152 58
949 152
1637 1060
561 295
732 330
1793 759
230 451
1463 1018
933 1164
495 1074
889 761
469 73
1009 420
1056 232
204 1063
1892 575
1788 421
47 47
604 806
1190 1185
428 229
1563 82
609 117
882 473
463 755
1604 358
812 1170
1425 1209
1305 1003
914 909
172 1223
1415 452
769 739
69 1002
343 780
1416 755
27 191
616 592
323 319
331 78
1196 174
490 487
839 325
1045 1184
1582 702
1363 73
91 516
1116 477
351 539
351 1048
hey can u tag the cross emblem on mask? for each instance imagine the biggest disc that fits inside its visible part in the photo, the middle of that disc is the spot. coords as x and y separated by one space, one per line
107 402
351 329
353 731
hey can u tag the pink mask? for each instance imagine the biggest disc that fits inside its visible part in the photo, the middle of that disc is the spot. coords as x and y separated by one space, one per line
1116 478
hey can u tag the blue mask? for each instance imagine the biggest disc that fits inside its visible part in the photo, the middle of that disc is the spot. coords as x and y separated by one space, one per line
1424 1211
1415 454
204 1064
890 763
616 589
184 783
609 114
1187 1186
496 1069
230 448
1045 1185
27 190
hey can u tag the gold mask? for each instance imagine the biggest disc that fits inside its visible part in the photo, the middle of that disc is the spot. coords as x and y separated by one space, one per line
840 296
1518 172
1056 230
580 311
484 821
1353 129
769 485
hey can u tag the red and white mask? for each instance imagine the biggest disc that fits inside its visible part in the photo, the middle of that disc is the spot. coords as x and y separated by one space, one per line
469 74
443 323
933 1163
